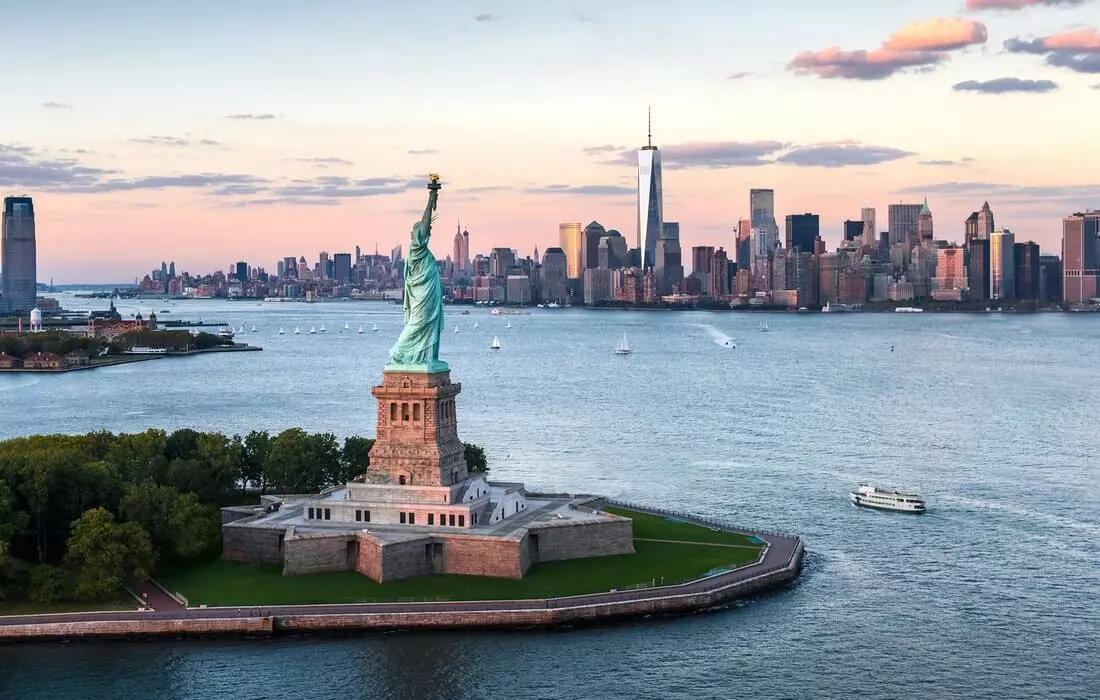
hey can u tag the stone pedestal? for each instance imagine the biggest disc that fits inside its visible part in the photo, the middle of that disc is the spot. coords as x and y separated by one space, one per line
417 440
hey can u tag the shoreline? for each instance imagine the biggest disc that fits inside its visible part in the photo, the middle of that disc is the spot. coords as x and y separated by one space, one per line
779 564
128 359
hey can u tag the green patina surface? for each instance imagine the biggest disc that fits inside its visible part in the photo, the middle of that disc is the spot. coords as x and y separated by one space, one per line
426 368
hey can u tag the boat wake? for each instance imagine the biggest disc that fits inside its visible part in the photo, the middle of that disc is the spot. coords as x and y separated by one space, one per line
1048 518
718 336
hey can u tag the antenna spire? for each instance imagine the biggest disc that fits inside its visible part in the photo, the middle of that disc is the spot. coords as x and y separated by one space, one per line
649 126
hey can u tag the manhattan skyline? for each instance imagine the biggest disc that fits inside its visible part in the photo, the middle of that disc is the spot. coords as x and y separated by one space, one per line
236 139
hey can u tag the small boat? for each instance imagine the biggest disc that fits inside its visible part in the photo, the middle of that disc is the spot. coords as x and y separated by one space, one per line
225 332
313 330
764 327
322 328
456 329
360 331
623 348
375 328
297 330
872 497
466 312
253 327
241 329
475 324
508 325
282 332
346 326
908 310
495 345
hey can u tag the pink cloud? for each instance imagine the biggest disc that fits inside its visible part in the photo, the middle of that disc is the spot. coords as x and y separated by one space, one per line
922 44
1080 40
940 34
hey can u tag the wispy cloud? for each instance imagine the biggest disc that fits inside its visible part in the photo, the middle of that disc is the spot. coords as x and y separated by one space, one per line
323 162
335 187
918 45
585 18
715 155
600 150
1000 86
1077 50
591 190
1020 4
945 162
1056 198
175 141
423 152
740 75
253 117
56 105
486 17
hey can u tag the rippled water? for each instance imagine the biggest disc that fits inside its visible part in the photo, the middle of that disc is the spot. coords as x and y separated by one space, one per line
993 594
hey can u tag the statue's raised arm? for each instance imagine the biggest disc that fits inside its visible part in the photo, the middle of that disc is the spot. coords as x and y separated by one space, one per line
418 347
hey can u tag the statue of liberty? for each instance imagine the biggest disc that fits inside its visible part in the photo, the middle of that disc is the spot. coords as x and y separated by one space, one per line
418 346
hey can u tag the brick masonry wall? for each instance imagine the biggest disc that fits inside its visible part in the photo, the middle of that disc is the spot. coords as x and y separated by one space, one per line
252 545
598 538
369 560
406 560
314 553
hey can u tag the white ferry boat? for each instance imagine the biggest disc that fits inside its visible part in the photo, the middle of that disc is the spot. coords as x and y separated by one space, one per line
873 497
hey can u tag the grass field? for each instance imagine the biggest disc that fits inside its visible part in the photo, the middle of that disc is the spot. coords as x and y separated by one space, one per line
23 607
221 583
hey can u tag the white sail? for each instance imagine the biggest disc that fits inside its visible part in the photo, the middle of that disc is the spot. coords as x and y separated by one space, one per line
346 326
312 330
297 330
360 330
623 348
475 324
375 327
495 345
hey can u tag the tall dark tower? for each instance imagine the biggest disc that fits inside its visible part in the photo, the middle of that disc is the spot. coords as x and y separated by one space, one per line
18 257
650 205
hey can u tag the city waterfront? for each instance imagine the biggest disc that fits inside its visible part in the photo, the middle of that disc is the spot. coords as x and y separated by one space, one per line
988 416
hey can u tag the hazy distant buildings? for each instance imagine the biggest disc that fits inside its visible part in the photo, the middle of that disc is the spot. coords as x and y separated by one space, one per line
341 267
744 244
668 268
571 240
924 223
977 262
1080 257
501 260
1026 262
762 208
852 230
554 274
1002 265
719 274
461 253
951 281
650 203
870 235
18 257
985 224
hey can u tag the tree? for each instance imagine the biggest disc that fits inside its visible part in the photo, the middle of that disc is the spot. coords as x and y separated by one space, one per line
104 556
302 463
355 457
256 446
179 525
475 458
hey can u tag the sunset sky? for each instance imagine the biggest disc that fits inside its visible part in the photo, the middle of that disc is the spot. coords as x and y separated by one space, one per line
208 131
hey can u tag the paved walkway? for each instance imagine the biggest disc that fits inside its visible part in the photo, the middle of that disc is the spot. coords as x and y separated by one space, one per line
157 599
705 544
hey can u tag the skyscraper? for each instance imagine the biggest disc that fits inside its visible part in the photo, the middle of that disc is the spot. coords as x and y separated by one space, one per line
18 257
924 223
668 263
870 235
802 231
985 222
590 245
1002 265
1027 271
852 229
554 263
570 237
903 224
341 267
1080 257
762 208
744 244
650 200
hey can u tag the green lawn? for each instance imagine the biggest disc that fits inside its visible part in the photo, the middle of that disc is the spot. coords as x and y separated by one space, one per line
229 583
221 583
22 607
657 527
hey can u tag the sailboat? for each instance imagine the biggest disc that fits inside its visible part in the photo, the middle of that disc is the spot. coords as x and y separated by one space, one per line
764 327
508 325
375 328
322 328
360 331
241 329
346 325
456 329
495 345
253 327
297 330
312 330
282 332
623 348
475 325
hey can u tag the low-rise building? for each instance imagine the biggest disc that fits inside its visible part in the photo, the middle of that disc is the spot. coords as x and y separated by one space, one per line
43 360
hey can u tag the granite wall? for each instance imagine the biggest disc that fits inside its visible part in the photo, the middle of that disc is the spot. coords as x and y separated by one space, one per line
318 552
254 545
485 556
556 541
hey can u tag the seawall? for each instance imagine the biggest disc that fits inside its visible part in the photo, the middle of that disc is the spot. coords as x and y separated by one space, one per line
779 564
